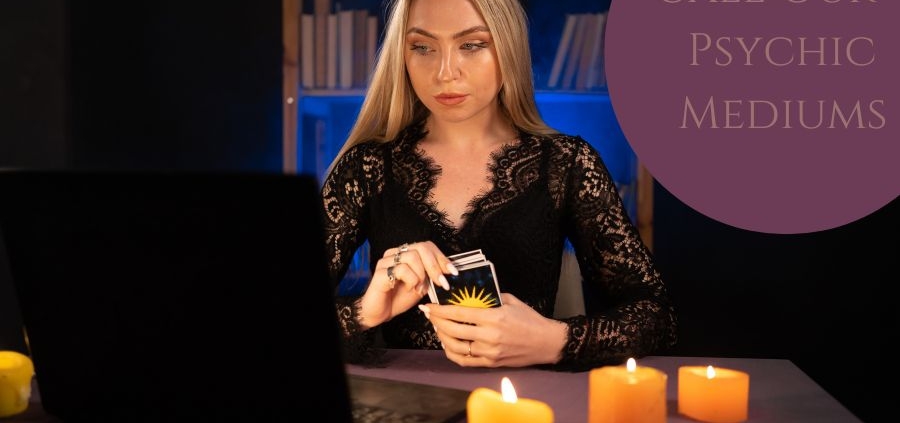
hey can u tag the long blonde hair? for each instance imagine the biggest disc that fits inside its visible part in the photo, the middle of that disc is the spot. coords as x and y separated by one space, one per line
391 104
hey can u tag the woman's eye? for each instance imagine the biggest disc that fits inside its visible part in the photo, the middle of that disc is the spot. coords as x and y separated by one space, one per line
419 48
474 46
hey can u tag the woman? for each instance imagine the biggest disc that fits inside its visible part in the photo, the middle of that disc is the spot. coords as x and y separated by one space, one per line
449 154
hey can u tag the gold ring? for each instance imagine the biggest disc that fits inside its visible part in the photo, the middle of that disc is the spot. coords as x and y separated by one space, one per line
469 353
391 277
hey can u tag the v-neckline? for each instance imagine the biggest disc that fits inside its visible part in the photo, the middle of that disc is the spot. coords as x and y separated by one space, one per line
472 208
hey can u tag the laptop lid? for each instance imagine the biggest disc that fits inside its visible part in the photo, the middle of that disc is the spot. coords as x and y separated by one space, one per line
175 296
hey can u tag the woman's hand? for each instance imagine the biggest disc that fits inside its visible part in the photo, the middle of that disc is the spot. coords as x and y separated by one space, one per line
512 335
400 280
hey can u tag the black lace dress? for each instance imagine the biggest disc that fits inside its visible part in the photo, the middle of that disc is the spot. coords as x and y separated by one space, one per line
546 189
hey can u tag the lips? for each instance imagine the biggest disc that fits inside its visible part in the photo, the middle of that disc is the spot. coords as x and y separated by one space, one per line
450 99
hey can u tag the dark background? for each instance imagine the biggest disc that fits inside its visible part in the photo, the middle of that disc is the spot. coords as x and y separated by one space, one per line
190 85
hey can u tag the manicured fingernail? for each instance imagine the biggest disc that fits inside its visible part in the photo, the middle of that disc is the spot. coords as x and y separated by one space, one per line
452 269
424 308
444 284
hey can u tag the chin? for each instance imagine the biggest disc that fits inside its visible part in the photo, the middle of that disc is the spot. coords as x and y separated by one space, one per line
453 114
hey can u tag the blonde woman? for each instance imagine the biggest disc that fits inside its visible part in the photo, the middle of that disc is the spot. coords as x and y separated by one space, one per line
449 154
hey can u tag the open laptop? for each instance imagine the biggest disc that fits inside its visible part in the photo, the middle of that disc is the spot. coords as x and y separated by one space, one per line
175 296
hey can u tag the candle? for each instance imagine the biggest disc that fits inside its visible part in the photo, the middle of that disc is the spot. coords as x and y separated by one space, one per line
488 406
16 371
624 394
713 394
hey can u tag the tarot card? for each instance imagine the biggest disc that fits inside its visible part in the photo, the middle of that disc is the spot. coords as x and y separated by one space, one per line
475 286
466 257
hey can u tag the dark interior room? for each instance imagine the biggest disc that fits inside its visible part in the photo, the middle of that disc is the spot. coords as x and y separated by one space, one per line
177 85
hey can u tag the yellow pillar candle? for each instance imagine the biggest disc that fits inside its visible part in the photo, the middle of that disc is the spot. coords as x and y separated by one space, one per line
713 394
626 394
16 371
488 406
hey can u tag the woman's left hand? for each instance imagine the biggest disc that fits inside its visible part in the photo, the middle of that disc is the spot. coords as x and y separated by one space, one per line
512 335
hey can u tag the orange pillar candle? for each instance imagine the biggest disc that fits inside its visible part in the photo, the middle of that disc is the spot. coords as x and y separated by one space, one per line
16 371
713 394
626 394
488 406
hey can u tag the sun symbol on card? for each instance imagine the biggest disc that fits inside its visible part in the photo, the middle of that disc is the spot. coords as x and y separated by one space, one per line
475 298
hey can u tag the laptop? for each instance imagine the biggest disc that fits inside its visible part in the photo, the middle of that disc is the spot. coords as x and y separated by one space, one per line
175 296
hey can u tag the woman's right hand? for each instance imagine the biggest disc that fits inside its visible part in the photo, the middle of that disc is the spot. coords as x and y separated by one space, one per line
400 280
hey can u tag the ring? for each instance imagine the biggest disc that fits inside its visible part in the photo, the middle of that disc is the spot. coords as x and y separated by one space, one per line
404 248
469 353
391 277
397 258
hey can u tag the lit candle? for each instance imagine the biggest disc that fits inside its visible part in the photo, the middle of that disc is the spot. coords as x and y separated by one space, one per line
713 394
625 394
16 371
488 406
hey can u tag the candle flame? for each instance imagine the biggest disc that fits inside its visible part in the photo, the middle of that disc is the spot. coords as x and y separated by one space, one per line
509 393
631 365
710 372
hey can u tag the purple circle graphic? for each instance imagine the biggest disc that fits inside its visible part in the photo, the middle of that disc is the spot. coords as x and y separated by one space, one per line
776 116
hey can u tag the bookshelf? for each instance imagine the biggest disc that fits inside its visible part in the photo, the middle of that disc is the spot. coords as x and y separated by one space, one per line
566 40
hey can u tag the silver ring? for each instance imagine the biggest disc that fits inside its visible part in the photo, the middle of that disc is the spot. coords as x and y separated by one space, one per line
397 258
404 248
469 353
391 277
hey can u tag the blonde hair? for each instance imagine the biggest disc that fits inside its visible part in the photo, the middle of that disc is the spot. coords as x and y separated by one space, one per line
390 104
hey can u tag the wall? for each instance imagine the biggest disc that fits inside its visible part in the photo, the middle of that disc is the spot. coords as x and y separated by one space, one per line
166 84
173 84
32 84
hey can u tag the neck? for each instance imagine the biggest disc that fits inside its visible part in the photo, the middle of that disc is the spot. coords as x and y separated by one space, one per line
486 130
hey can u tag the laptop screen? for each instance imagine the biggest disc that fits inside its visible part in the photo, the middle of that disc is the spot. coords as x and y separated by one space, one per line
175 296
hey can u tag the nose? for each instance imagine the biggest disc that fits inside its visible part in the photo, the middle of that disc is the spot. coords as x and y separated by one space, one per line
449 69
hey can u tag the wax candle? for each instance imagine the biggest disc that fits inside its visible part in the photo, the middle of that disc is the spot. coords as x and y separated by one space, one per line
626 394
16 371
489 406
713 394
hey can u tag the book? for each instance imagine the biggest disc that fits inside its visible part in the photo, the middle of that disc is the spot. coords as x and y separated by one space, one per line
574 53
371 45
562 50
307 51
360 31
321 11
378 400
345 47
591 39
332 57
596 72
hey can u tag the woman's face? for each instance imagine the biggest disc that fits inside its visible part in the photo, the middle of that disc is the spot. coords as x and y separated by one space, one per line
451 60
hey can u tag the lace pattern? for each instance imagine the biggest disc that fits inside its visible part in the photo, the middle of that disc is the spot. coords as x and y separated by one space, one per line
545 189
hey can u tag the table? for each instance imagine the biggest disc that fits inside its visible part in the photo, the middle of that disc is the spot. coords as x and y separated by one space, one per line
779 390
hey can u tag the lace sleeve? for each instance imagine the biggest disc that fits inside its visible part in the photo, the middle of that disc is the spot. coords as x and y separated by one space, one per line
345 192
629 312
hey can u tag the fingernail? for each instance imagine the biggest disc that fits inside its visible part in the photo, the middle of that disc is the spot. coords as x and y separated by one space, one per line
444 284
452 269
424 308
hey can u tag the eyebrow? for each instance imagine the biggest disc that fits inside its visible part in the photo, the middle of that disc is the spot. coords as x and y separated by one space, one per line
463 33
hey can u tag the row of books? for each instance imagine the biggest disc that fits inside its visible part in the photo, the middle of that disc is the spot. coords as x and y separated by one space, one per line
337 49
579 64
